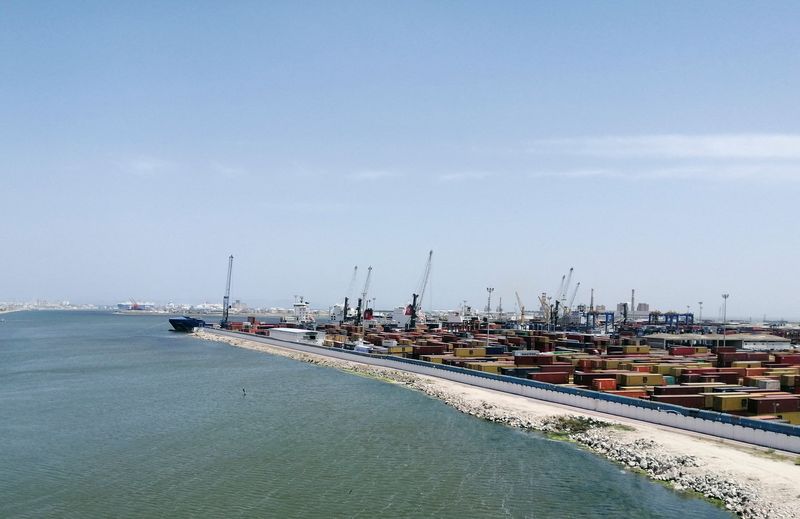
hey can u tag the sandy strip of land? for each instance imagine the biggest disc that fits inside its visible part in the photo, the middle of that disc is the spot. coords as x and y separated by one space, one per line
750 481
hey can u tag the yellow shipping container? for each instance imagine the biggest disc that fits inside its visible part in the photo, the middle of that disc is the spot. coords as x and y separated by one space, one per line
709 399
793 417
640 379
610 364
488 367
779 371
469 352
635 349
730 402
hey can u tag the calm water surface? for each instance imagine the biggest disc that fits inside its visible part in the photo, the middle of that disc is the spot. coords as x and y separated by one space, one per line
114 416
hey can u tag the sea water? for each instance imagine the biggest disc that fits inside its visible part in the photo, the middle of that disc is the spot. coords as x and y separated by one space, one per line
105 415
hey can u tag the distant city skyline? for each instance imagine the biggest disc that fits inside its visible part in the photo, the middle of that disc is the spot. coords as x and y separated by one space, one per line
649 146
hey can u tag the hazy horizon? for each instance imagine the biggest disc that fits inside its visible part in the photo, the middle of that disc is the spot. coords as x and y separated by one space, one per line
649 146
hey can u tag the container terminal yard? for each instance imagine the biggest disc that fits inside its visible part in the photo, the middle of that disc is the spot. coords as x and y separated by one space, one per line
699 402
689 370
667 358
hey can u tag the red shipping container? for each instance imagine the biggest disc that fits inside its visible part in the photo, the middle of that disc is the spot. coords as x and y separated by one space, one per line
773 404
556 367
677 390
558 377
788 358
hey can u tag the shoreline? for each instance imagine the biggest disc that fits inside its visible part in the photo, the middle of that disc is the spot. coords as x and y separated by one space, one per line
749 481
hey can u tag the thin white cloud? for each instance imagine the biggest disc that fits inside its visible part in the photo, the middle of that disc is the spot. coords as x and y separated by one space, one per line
464 176
716 172
368 175
146 166
677 146
228 171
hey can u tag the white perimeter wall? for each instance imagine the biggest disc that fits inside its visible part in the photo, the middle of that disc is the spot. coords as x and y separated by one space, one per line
733 432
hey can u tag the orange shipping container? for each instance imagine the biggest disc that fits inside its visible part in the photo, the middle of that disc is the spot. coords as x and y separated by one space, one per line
604 384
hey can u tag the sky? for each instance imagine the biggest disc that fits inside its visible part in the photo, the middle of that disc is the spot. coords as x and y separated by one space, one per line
649 145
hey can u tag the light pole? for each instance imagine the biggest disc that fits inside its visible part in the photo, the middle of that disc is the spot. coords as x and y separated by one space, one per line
700 312
724 318
488 311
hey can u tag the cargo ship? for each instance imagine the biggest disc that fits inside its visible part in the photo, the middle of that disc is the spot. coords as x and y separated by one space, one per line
186 324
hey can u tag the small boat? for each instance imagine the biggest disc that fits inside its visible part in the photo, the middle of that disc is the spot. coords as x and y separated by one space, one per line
186 323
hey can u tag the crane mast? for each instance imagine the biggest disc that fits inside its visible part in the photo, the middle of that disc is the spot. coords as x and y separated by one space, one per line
521 308
226 301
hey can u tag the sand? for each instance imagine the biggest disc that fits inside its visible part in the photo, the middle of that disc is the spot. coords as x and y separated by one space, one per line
751 481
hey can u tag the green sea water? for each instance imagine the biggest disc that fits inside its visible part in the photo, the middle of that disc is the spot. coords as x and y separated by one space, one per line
107 415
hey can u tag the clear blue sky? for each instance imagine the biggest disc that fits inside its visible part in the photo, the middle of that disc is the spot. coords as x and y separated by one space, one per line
650 145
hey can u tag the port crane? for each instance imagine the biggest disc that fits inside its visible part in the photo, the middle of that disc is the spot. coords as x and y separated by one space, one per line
563 295
416 298
363 299
226 301
568 308
349 293
521 309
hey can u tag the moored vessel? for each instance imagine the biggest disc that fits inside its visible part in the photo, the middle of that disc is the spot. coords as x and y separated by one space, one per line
186 323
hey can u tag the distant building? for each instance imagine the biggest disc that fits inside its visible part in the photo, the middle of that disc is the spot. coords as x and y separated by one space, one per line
642 311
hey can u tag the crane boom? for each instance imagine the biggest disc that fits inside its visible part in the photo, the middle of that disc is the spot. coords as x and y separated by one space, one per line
572 297
521 308
226 301
366 285
565 289
352 284
424 282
